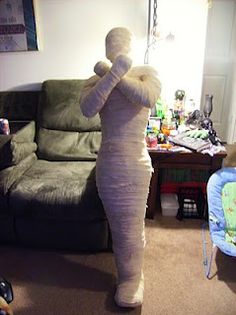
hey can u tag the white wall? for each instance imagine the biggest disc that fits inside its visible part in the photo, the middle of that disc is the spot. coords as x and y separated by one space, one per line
231 136
72 36
232 115
180 62
232 130
220 68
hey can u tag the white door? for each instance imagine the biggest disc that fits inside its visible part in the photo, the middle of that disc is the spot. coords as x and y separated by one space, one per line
219 65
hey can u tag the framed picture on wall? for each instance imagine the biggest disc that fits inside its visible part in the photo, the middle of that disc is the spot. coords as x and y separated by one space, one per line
17 26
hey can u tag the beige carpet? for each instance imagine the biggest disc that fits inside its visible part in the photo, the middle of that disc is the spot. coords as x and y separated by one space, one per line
55 283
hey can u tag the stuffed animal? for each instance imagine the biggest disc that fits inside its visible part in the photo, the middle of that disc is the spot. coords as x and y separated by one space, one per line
123 96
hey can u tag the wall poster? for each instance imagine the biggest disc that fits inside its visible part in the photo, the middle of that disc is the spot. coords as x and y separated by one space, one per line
17 26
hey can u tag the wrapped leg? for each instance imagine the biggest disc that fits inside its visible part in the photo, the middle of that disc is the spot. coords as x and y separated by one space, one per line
125 206
129 262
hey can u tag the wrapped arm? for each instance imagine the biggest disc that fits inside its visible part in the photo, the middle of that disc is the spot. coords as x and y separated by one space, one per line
141 89
95 95
96 92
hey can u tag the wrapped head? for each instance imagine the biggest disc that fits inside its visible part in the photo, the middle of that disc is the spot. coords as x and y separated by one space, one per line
118 42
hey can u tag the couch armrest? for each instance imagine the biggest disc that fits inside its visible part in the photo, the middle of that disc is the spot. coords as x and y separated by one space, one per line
10 175
17 146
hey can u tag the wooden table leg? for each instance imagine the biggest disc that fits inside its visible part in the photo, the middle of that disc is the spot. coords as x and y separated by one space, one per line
152 197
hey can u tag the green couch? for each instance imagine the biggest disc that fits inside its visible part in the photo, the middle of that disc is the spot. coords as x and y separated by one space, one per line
48 194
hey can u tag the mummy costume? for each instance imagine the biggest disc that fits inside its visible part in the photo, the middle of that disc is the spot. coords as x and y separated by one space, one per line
123 97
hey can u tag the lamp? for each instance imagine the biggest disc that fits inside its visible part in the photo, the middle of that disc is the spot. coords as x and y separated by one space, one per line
153 35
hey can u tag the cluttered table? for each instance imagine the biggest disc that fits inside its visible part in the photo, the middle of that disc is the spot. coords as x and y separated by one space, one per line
181 140
166 159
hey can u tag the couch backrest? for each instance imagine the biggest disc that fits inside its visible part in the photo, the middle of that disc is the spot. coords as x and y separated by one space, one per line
63 132
19 106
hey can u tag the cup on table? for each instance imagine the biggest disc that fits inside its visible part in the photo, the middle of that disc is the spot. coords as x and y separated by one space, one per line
167 126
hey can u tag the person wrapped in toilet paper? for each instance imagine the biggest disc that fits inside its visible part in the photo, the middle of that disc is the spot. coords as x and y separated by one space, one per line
123 96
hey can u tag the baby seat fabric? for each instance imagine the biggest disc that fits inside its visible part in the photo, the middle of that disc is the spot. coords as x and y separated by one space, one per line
221 195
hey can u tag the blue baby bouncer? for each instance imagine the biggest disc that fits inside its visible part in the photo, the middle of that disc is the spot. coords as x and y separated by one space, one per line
221 196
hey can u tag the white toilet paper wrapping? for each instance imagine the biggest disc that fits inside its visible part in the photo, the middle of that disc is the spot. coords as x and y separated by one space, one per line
123 97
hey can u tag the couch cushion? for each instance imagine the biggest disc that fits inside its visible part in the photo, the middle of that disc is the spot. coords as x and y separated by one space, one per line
12 174
55 145
17 146
57 190
19 105
61 120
